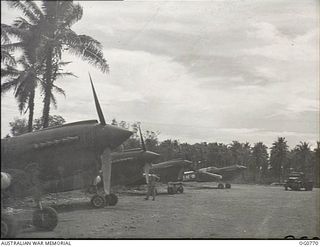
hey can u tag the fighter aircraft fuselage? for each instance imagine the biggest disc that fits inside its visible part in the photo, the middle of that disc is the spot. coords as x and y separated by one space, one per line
227 173
128 166
61 154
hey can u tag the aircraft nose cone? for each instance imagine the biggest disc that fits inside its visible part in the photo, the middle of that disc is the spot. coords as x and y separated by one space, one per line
117 135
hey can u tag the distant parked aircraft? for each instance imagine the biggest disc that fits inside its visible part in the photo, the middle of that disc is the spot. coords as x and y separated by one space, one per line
215 174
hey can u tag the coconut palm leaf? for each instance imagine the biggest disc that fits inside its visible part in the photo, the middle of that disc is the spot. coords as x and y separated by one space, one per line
28 9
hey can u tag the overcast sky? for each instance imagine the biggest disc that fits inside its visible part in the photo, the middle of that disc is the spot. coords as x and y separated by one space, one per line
196 71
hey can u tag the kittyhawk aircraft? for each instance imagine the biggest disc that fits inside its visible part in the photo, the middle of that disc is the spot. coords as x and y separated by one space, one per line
215 174
67 156
134 166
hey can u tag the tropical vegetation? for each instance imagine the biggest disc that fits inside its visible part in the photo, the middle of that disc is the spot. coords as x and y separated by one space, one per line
41 35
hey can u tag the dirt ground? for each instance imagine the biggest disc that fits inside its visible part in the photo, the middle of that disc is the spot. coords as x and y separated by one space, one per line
244 211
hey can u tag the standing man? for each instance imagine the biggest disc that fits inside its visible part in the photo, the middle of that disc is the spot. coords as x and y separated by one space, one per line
152 186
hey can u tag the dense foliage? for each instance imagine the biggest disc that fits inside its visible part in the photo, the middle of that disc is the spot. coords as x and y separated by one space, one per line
263 167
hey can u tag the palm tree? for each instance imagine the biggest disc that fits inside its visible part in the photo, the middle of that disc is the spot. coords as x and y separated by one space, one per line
27 35
259 162
24 83
303 156
51 25
279 158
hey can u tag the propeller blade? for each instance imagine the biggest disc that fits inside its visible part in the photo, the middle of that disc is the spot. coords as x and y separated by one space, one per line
142 141
96 101
106 165
146 169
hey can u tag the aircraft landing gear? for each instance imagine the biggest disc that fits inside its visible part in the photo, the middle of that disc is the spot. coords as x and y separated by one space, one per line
174 188
8 226
180 189
111 199
45 218
99 201
220 186
228 186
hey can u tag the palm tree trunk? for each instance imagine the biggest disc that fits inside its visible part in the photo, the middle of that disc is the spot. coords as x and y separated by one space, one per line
48 88
31 110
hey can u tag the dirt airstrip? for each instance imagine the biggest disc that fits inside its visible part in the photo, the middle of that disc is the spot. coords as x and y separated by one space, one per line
244 211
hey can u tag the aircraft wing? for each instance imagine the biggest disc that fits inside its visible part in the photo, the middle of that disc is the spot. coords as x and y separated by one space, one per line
212 175
171 170
171 163
228 173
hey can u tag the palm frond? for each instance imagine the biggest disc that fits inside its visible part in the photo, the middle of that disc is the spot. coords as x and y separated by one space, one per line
5 87
7 59
9 71
21 23
64 74
73 13
35 9
26 10
53 101
88 49
59 90
4 35
12 47
16 32
22 100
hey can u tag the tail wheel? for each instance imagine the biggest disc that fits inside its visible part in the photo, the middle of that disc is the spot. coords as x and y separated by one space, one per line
98 201
180 189
45 219
8 227
111 199
228 186
220 186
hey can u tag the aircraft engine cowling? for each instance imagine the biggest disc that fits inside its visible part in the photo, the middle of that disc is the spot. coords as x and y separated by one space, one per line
5 180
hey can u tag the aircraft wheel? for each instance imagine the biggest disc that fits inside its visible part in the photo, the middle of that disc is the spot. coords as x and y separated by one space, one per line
98 201
45 219
228 186
170 191
220 186
111 199
8 226
286 187
174 189
180 189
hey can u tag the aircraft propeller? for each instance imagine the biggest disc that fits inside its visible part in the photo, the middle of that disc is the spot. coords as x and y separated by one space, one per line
116 136
142 141
147 165
96 101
